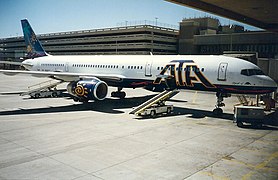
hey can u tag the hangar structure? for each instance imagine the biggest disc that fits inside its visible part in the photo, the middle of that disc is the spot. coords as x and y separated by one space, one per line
258 13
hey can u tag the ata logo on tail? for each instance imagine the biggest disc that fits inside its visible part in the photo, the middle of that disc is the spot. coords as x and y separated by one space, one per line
185 73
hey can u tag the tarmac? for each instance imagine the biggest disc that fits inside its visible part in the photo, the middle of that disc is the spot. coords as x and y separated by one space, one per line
56 138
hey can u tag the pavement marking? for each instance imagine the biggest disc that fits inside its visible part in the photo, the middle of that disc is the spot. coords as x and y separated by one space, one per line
195 97
214 176
262 166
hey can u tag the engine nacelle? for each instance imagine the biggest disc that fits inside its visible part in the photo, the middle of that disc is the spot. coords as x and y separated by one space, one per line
93 89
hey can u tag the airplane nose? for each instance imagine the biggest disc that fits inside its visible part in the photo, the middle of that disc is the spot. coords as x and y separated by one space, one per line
270 83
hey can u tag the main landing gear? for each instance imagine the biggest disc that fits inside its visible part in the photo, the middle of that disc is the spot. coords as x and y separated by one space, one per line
118 94
219 103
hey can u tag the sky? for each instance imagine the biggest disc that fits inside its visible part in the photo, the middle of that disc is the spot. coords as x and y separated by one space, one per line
49 16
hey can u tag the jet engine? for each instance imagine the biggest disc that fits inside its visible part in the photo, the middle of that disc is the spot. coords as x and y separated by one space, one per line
93 89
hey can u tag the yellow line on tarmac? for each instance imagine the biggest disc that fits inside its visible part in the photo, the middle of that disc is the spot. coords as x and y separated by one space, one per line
214 176
261 166
195 97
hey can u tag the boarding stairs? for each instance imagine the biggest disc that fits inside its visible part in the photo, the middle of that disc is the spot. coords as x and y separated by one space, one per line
163 96
242 100
43 86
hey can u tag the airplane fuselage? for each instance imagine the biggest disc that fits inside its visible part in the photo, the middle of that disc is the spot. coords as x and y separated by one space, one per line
207 73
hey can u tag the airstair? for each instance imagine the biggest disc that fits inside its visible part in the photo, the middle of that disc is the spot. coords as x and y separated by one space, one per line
163 96
43 86
242 100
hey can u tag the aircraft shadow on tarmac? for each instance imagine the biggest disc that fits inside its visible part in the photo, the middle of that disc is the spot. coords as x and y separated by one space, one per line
270 122
109 105
194 113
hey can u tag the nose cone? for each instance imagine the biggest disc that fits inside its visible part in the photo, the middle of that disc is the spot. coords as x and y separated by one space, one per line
27 64
270 83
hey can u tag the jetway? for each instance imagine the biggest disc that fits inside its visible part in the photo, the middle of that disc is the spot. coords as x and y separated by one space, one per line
163 96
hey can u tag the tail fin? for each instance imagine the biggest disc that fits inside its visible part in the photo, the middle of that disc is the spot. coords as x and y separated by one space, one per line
34 47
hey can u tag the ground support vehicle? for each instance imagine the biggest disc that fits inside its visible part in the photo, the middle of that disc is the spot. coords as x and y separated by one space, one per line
249 114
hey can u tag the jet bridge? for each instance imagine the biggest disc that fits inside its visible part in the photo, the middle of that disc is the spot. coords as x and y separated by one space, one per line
163 96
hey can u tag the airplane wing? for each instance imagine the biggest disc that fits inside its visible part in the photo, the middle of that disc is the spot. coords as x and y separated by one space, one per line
11 63
65 76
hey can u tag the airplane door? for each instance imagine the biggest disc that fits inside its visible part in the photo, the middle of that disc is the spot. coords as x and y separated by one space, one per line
222 72
38 66
66 67
148 68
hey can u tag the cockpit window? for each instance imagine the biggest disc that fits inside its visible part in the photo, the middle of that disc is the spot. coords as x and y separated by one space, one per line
251 72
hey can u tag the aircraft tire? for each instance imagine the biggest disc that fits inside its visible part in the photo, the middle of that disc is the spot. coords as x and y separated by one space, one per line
75 99
217 111
118 94
122 95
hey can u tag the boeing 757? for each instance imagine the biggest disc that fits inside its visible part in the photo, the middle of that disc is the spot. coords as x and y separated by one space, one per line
89 77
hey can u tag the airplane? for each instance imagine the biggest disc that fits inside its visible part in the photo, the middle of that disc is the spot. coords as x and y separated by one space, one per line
88 77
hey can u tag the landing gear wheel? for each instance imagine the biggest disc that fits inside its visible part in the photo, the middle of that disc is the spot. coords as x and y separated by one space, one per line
76 99
118 94
219 103
122 94
218 112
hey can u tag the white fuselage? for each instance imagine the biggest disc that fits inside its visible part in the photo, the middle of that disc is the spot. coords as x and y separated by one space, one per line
219 71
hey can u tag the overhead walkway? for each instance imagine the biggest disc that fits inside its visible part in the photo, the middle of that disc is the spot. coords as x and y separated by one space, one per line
43 86
163 96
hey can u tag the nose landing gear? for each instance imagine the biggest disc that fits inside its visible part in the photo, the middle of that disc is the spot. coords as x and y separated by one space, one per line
219 103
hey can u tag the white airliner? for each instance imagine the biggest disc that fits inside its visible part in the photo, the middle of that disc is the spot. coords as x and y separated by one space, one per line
90 76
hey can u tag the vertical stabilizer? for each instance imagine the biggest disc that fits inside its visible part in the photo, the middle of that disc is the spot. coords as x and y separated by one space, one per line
34 47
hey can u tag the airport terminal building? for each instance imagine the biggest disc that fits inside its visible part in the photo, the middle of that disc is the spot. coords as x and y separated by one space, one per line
196 36
208 36
137 40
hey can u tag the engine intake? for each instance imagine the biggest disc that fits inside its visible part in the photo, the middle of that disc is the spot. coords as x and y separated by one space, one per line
93 89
